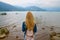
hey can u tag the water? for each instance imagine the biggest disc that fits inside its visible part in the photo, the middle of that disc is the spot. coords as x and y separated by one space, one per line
42 19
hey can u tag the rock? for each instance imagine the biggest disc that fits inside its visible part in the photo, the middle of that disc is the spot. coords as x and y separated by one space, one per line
3 32
17 36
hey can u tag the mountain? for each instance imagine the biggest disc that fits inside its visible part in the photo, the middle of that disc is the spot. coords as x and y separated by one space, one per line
54 9
8 7
34 8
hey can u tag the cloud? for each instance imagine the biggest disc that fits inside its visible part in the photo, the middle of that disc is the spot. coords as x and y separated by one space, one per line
50 3
20 2
40 3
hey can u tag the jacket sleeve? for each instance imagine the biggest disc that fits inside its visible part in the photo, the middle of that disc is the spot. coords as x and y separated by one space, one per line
23 26
35 29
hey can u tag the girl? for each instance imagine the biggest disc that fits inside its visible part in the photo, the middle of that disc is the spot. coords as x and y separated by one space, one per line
29 27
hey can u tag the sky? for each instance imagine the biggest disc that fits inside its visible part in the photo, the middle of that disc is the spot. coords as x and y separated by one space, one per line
39 3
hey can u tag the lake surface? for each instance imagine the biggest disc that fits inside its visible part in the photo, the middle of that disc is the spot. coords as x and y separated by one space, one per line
43 18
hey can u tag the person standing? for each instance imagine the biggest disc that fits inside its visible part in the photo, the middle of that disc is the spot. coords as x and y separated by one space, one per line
29 27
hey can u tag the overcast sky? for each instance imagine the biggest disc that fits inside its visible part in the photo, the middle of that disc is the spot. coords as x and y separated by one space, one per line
40 3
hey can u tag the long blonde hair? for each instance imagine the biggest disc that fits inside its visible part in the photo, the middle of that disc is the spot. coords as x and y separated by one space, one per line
29 21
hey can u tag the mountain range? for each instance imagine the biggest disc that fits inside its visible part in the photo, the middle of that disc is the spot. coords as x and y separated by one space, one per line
53 9
8 7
